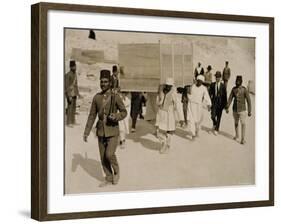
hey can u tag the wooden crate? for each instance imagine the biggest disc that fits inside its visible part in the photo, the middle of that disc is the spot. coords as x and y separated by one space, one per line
146 65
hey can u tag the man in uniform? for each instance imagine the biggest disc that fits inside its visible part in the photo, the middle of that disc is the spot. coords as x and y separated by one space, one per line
71 93
240 95
226 74
110 109
208 77
115 78
217 92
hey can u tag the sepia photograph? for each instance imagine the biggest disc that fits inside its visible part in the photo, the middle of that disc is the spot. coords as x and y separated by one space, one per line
157 111
153 111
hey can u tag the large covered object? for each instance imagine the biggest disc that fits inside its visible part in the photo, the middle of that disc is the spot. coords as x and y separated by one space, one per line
146 65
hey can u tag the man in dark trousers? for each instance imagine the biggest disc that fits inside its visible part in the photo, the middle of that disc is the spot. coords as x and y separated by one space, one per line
240 95
110 109
218 97
71 93
226 74
136 107
184 100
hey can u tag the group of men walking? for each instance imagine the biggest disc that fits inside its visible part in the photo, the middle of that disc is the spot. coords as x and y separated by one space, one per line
218 95
203 93
111 108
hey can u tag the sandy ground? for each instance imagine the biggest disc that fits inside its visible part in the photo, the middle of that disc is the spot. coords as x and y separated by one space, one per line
206 162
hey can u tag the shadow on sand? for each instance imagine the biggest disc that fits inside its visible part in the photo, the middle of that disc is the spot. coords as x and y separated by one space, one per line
209 130
90 166
183 133
145 128
150 144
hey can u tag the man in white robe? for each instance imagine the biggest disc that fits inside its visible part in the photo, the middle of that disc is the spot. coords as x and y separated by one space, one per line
166 120
198 98
124 124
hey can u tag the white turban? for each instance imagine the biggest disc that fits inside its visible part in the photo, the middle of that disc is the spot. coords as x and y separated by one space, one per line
169 81
201 77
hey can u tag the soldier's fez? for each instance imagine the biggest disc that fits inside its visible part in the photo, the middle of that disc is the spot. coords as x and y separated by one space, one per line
104 74
72 63
114 68
239 78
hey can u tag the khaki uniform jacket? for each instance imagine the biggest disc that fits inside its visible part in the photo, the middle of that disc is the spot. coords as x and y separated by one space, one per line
240 95
114 82
71 84
101 106
226 74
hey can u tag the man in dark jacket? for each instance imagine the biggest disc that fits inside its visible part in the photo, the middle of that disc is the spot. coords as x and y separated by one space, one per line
115 78
71 93
218 97
110 109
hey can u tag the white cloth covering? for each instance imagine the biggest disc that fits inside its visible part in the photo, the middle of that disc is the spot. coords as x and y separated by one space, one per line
167 108
124 124
179 112
198 98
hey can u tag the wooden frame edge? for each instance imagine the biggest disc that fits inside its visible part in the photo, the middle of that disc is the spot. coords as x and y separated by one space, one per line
35 190
38 112
271 111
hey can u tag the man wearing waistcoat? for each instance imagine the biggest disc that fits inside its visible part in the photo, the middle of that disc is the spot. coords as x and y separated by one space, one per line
199 70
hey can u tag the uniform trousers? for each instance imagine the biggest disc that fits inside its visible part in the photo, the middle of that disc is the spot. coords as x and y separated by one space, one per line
71 110
107 148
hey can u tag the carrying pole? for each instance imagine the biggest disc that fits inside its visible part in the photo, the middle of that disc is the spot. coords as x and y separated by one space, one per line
160 62
182 48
